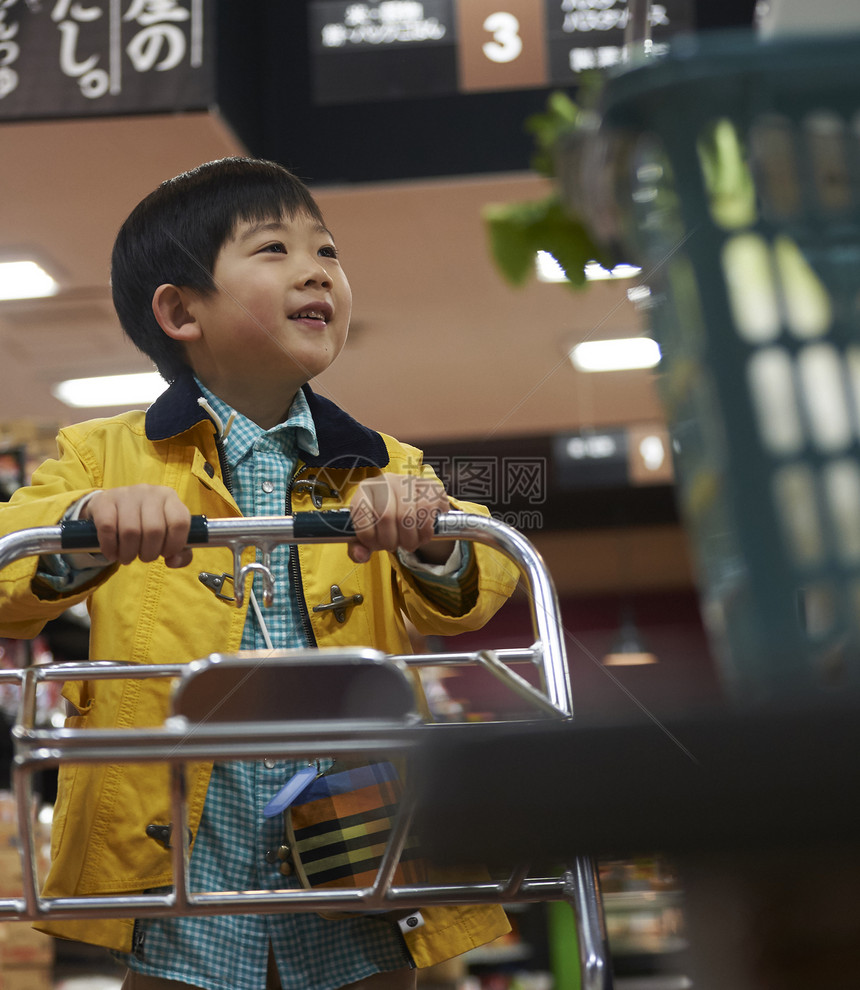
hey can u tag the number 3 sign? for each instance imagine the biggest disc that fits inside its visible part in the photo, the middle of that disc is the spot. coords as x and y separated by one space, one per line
501 44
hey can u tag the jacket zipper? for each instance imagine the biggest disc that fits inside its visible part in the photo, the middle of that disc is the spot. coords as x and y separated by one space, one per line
296 574
226 470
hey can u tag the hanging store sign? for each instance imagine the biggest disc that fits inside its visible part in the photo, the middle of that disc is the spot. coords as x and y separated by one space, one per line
69 58
393 49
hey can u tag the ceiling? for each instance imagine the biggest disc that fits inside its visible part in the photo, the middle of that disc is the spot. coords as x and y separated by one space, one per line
462 354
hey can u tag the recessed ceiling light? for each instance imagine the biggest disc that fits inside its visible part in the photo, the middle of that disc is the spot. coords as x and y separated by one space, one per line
626 354
25 280
549 270
110 390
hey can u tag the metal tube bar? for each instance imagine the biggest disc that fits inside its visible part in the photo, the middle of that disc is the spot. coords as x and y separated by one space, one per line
24 801
637 31
210 742
490 661
179 846
103 670
180 742
530 655
515 881
288 900
267 532
393 848
584 897
545 611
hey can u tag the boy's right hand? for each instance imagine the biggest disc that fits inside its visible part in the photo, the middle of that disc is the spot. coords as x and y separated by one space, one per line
140 522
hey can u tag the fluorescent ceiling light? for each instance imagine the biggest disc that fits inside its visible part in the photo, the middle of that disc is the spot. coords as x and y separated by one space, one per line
638 293
110 390
626 354
25 280
595 272
549 270
629 659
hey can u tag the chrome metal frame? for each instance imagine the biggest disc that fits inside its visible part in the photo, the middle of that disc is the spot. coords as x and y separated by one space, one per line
180 741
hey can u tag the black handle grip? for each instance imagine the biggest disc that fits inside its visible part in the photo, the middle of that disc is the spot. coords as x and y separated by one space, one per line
337 522
80 534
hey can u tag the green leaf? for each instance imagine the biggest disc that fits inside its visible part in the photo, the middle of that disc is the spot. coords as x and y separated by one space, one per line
509 230
517 231
561 115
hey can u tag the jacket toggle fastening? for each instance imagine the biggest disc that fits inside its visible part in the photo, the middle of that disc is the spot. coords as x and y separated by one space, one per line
162 833
317 489
339 603
215 583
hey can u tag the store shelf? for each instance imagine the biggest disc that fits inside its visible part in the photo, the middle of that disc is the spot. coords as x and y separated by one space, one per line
644 923
652 983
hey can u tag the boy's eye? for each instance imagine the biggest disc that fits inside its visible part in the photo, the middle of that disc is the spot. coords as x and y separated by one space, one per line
329 251
276 247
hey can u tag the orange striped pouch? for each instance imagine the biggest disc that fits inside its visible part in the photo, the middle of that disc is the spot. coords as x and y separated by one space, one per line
338 829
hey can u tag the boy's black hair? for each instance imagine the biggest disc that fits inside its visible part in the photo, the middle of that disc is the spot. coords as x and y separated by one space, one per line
175 234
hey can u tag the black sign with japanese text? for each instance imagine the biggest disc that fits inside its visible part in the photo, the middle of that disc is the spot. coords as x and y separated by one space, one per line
393 49
66 58
589 34
390 49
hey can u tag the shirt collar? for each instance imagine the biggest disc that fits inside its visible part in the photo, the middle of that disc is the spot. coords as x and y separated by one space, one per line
240 433
343 442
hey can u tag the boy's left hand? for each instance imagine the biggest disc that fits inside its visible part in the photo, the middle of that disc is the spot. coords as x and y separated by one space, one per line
397 511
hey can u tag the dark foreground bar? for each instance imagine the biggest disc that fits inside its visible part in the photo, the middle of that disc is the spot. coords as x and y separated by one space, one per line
716 782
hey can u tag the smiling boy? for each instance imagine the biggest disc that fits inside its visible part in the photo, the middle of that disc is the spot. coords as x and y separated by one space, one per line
228 279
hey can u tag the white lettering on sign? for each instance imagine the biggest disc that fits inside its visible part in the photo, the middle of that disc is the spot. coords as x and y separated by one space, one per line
9 50
389 22
93 81
604 56
606 15
595 448
400 10
161 44
507 44
149 12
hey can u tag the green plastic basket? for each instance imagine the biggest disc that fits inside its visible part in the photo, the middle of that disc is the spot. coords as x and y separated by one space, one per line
732 170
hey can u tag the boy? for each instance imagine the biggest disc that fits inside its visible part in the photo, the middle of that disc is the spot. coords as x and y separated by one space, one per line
227 277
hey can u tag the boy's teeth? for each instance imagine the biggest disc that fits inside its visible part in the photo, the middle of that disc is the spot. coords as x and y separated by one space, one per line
310 314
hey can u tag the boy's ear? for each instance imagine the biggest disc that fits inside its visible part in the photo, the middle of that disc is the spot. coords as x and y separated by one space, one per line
171 310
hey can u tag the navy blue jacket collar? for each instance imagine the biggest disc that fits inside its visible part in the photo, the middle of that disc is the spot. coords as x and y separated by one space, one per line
343 441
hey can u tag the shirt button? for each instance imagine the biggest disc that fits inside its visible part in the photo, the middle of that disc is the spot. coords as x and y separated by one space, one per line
269 764
268 487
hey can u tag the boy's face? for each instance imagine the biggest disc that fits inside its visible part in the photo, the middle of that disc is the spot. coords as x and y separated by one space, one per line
279 314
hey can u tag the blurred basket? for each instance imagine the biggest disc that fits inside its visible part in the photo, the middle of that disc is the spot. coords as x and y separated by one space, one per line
731 169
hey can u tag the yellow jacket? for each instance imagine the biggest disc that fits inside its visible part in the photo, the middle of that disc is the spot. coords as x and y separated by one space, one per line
148 613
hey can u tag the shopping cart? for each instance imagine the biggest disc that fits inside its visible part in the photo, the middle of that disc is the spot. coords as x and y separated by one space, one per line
262 721
730 171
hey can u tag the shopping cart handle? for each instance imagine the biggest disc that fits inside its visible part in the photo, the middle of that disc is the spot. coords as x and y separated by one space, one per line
81 534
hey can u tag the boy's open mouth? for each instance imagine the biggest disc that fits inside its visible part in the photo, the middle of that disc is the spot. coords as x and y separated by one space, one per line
317 313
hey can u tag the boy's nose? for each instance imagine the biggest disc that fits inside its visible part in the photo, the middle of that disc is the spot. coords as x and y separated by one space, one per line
315 274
